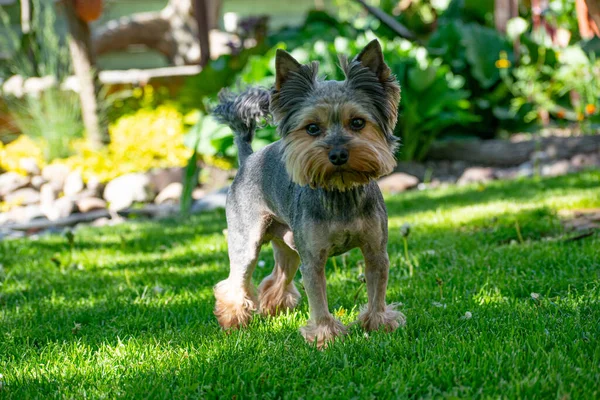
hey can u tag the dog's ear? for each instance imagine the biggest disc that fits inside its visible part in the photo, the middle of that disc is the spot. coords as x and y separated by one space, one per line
284 65
372 57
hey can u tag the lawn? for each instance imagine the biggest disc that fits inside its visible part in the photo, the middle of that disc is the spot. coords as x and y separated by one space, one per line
500 304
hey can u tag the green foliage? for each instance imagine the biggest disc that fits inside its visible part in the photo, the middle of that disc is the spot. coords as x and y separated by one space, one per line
472 50
52 118
129 101
40 52
432 102
127 311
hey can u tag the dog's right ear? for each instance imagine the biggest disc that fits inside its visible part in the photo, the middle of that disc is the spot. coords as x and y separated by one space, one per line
284 65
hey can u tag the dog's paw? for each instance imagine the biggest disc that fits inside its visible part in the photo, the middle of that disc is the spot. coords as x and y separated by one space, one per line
324 332
274 296
389 320
234 308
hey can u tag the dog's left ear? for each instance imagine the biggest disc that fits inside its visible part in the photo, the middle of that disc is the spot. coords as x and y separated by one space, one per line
372 57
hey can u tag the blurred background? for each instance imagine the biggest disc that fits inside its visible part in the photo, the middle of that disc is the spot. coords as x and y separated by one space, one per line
104 104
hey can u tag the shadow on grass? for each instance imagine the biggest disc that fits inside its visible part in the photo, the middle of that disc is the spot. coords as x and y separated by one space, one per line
160 296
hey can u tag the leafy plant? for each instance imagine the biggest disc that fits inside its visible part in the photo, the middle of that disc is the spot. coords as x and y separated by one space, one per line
432 102
147 139
52 118
39 52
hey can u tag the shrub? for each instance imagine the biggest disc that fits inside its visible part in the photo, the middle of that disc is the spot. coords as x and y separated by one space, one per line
51 118
22 147
139 142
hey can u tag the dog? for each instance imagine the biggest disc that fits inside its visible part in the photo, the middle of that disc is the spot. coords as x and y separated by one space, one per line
312 193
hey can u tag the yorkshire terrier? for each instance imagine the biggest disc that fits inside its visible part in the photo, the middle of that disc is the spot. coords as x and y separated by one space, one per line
313 193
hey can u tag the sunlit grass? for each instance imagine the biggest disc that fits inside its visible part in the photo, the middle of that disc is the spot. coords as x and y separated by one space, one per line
500 304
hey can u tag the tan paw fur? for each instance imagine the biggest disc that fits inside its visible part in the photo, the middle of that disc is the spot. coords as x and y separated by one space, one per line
275 296
324 332
389 320
234 307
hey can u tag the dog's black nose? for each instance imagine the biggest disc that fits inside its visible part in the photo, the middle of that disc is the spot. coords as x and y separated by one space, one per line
338 156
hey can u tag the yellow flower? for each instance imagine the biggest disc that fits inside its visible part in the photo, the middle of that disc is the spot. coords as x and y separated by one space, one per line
579 116
137 92
590 109
147 139
502 63
22 147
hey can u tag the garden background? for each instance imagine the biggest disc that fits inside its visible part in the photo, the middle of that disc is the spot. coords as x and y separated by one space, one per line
113 177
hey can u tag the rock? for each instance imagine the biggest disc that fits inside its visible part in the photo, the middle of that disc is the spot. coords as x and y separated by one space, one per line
37 182
24 214
525 170
458 168
95 186
540 156
25 197
476 174
198 193
36 85
412 168
123 191
73 183
71 83
11 181
217 178
170 194
163 177
90 203
585 160
14 86
397 182
61 208
85 194
48 194
211 201
557 168
56 174
507 173
29 165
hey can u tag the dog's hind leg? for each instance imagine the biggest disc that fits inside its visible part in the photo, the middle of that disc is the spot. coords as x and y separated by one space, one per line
277 291
236 298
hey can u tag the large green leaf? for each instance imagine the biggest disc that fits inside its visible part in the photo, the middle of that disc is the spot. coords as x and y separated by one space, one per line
483 46
209 137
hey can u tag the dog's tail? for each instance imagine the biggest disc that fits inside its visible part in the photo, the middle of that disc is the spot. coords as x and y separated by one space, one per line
242 112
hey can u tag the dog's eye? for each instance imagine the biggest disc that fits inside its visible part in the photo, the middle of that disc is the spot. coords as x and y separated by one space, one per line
357 123
313 129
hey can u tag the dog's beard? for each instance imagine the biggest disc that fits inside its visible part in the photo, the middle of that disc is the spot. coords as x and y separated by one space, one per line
307 161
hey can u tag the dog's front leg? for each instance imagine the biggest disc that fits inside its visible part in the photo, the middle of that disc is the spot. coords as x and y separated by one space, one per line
377 314
322 326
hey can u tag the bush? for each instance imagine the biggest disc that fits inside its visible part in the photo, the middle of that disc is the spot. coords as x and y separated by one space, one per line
139 142
51 118
22 147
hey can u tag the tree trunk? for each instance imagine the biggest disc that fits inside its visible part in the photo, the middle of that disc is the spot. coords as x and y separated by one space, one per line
503 12
593 7
504 153
84 68
173 31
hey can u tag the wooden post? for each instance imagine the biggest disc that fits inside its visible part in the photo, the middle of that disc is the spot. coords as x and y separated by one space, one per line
202 19
85 69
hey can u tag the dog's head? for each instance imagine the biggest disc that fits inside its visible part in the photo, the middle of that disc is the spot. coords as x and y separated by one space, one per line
337 135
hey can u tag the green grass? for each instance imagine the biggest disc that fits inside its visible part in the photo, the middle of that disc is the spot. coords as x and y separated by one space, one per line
128 313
